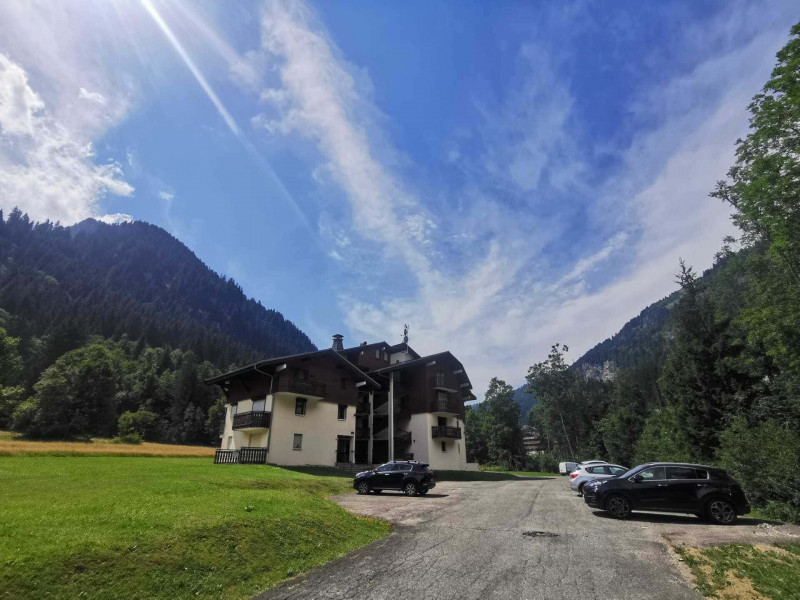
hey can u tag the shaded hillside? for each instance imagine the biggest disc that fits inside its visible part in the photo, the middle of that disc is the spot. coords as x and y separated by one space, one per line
64 284
525 401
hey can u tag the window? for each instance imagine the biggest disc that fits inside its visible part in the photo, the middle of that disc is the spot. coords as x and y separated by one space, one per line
384 468
385 356
403 468
653 474
300 406
596 470
259 405
234 407
297 444
444 447
342 412
377 352
701 473
440 378
616 470
681 473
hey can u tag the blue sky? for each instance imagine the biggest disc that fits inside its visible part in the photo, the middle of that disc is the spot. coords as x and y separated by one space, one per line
501 176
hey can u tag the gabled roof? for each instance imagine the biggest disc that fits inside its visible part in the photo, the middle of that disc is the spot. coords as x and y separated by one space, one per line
422 360
326 353
364 346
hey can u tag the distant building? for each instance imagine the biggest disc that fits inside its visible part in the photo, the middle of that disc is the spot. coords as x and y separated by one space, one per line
365 405
531 440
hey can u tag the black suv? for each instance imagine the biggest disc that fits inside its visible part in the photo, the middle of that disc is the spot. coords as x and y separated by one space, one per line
704 491
410 476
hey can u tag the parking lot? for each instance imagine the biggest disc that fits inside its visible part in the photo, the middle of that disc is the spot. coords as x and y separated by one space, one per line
526 539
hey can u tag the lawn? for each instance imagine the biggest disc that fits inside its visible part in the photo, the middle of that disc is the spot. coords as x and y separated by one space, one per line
14 444
741 572
101 527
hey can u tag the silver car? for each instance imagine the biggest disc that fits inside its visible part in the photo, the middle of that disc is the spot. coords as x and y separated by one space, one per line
589 472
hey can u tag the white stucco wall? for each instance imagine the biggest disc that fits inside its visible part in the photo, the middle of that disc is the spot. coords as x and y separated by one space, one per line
429 450
320 428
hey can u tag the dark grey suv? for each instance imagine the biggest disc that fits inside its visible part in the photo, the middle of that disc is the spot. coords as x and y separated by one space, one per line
707 492
409 476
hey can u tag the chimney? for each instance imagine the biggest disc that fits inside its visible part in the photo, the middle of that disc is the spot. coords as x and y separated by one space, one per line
338 345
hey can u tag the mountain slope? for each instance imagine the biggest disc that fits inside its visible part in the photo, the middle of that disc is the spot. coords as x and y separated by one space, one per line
134 279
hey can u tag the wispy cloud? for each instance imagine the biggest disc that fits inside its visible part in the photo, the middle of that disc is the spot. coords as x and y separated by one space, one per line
498 301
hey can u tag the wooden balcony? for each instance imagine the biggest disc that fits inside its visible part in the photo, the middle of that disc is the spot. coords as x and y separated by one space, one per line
446 405
444 383
252 420
451 433
302 387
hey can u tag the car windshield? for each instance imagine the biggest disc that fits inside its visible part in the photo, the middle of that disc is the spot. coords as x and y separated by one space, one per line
631 472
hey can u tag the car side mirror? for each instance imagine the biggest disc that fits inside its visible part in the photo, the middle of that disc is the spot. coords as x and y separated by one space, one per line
637 478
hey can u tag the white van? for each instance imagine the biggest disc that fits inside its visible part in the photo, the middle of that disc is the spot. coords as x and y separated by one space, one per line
565 468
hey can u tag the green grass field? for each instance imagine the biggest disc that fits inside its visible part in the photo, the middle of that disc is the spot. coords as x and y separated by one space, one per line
129 527
733 571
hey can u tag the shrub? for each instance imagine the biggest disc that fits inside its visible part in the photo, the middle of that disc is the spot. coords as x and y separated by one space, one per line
128 438
765 460
25 414
544 462
141 423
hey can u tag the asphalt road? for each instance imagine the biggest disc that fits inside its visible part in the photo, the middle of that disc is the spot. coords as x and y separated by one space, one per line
477 540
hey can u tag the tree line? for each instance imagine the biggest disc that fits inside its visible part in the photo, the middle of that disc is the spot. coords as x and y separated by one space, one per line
722 384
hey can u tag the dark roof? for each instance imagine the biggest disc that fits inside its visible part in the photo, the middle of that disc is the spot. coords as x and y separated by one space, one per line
361 347
403 346
328 352
420 361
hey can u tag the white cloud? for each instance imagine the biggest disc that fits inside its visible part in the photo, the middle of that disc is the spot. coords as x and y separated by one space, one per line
45 169
115 219
166 196
97 97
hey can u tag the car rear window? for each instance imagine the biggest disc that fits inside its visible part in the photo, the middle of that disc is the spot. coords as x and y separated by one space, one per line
596 470
681 473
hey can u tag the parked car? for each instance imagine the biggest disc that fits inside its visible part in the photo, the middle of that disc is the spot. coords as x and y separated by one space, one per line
409 476
566 468
701 490
591 472
592 462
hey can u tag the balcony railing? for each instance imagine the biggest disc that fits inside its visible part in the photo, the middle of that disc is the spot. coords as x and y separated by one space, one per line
252 420
362 433
453 433
446 405
243 456
304 387
362 408
439 382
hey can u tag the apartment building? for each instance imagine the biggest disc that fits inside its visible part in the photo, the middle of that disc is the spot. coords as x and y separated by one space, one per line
362 405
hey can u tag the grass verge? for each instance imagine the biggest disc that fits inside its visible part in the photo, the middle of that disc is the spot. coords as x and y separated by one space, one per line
739 572
111 527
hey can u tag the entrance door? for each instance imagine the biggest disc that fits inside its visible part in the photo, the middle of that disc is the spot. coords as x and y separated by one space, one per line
442 421
343 450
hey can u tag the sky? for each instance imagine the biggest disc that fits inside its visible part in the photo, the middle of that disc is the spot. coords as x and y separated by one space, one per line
501 176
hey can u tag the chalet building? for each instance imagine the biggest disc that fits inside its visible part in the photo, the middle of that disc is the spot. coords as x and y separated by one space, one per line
363 405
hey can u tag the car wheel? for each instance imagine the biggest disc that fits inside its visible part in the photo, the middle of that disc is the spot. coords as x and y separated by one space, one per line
618 507
363 488
410 489
721 511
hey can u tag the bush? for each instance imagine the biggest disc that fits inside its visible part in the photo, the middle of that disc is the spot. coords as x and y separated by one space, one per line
765 460
142 423
25 414
128 438
544 462
10 399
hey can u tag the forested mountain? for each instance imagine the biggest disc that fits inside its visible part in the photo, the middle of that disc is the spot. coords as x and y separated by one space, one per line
98 320
133 279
